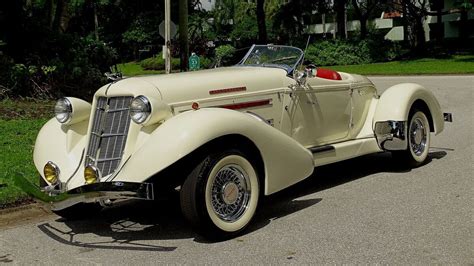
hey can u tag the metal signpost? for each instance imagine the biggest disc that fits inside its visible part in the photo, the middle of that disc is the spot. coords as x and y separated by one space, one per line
167 50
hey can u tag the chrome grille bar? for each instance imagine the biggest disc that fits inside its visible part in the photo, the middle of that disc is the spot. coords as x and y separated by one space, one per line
109 133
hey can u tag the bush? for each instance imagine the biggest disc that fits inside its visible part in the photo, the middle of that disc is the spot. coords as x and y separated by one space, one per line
328 53
338 52
153 63
205 62
158 63
75 68
224 54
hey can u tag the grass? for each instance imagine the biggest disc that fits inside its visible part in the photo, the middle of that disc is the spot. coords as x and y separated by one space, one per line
428 66
17 138
20 122
135 69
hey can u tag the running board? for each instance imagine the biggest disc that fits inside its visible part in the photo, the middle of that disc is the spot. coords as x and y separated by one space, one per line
321 148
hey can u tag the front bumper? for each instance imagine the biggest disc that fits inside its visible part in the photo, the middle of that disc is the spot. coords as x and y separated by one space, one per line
98 192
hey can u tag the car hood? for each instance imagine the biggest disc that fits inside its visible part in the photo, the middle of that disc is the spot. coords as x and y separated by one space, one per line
187 86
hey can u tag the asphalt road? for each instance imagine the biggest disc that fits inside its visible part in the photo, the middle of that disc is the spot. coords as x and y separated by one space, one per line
365 210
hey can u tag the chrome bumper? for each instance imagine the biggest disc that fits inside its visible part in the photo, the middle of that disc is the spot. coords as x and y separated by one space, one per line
98 192
104 192
391 135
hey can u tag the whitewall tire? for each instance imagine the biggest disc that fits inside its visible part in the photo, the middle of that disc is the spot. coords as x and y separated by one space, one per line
220 196
418 135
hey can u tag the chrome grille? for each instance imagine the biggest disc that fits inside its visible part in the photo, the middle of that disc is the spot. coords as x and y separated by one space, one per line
109 133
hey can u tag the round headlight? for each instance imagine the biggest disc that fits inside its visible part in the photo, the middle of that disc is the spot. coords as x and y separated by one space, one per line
91 174
51 173
63 110
140 109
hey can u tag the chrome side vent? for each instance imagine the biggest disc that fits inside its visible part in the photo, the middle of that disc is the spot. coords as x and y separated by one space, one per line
109 133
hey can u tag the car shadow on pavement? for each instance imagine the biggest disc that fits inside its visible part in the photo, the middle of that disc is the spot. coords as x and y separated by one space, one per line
134 225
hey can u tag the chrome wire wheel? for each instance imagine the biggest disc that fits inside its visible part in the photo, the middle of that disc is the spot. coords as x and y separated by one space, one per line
230 192
418 136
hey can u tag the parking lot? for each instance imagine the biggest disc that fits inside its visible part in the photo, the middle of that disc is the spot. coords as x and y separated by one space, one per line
364 210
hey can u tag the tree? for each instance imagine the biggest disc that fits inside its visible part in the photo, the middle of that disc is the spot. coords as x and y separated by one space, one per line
183 33
340 9
262 26
463 7
289 20
414 14
363 9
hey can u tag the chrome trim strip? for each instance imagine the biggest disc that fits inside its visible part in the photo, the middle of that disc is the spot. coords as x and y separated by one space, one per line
75 171
109 159
391 135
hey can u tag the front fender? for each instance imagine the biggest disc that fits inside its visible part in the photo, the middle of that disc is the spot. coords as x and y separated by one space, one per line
396 102
285 160
61 144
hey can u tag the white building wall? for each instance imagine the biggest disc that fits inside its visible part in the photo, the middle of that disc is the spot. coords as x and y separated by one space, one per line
208 5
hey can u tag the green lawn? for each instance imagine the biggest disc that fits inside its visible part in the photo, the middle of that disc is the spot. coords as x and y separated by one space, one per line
456 65
134 69
17 138
20 122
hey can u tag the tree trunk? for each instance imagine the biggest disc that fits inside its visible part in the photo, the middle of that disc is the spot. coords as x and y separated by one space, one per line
96 21
49 6
439 22
419 36
463 25
405 20
62 16
363 27
183 34
262 27
340 8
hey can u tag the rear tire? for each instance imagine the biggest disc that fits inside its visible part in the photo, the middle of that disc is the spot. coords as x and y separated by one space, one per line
418 135
220 196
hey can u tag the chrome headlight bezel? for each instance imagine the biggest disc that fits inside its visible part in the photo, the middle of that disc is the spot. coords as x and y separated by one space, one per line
53 170
140 109
63 110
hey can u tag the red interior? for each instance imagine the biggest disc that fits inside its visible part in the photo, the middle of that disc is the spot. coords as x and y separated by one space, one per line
327 74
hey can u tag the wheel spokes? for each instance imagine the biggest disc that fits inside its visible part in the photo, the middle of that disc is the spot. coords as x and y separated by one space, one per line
230 192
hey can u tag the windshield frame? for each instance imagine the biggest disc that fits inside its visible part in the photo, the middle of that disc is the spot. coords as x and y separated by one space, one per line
287 68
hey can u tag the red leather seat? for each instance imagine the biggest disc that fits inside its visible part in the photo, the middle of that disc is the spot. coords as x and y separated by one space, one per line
327 74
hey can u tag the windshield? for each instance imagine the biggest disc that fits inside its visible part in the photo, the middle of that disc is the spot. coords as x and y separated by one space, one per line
285 57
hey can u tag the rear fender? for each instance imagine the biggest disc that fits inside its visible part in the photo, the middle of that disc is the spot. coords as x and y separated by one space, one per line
285 161
396 102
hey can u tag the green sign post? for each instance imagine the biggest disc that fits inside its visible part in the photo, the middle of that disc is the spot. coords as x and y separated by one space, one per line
194 62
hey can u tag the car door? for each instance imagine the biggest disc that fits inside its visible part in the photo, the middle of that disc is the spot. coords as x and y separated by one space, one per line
317 115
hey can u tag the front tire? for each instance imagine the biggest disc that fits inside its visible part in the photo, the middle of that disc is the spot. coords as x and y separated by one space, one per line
220 196
418 135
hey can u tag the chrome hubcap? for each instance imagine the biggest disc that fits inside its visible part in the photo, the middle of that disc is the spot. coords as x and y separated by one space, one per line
230 193
418 136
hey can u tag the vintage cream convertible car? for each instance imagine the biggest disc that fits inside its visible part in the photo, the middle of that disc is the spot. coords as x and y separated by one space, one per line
225 137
